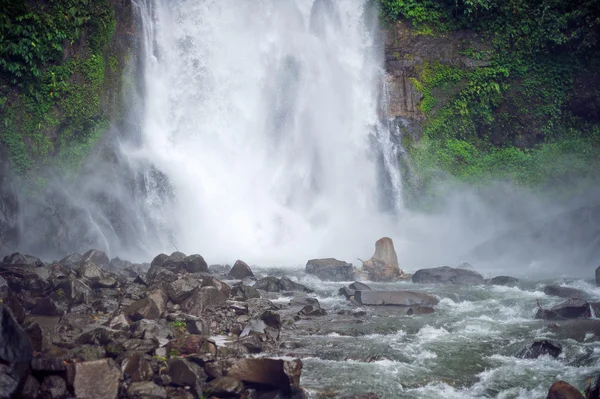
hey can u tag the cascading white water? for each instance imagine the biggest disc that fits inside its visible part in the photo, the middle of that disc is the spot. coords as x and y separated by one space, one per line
263 114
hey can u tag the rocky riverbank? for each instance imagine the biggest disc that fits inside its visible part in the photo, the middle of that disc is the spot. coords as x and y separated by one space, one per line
90 327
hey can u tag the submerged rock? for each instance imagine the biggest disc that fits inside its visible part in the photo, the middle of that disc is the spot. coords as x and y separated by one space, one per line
240 271
330 269
395 298
447 275
541 348
504 280
383 265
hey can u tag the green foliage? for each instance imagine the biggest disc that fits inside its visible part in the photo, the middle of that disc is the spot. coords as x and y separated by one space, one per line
60 293
52 81
179 325
173 353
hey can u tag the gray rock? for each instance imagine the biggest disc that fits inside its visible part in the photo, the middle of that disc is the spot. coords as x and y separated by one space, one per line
273 284
181 289
54 385
358 286
46 307
210 281
280 374
150 307
227 386
244 292
31 389
15 355
570 309
330 269
146 390
504 280
96 277
564 292
195 264
541 348
598 276
71 261
202 299
239 271
137 367
18 259
447 275
98 379
219 269
395 298
97 257
185 373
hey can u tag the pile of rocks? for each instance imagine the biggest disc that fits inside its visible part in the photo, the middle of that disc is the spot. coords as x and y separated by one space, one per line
90 327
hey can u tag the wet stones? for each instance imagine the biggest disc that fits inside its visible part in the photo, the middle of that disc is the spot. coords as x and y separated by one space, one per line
348 292
541 348
447 275
330 269
214 282
96 257
383 265
240 271
203 299
96 379
181 289
146 390
395 298
227 386
15 355
136 366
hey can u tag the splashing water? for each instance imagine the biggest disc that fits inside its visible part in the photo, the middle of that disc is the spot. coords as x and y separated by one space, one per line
264 117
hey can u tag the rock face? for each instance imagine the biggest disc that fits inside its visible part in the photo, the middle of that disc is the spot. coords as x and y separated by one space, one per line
383 265
15 355
563 390
447 275
240 271
395 298
330 269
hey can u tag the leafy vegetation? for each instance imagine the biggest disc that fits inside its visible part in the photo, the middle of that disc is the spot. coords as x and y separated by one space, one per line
55 68
512 117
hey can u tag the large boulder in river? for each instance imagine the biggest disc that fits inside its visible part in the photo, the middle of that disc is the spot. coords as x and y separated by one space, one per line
330 269
504 280
383 265
274 284
240 271
540 348
564 292
395 298
15 355
447 275
570 309
563 390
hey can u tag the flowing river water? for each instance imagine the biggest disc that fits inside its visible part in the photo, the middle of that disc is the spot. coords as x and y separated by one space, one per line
467 348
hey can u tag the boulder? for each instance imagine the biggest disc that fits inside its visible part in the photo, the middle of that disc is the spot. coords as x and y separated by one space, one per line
383 265
564 292
227 386
447 275
98 379
598 276
358 286
137 367
277 373
181 289
71 261
210 281
185 373
54 386
244 292
18 259
97 277
96 257
273 284
146 390
570 309
150 307
504 280
395 298
202 299
195 264
239 271
541 348
330 269
120 264
563 390
15 355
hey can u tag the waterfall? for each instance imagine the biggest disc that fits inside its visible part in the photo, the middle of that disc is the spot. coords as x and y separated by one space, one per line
264 116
